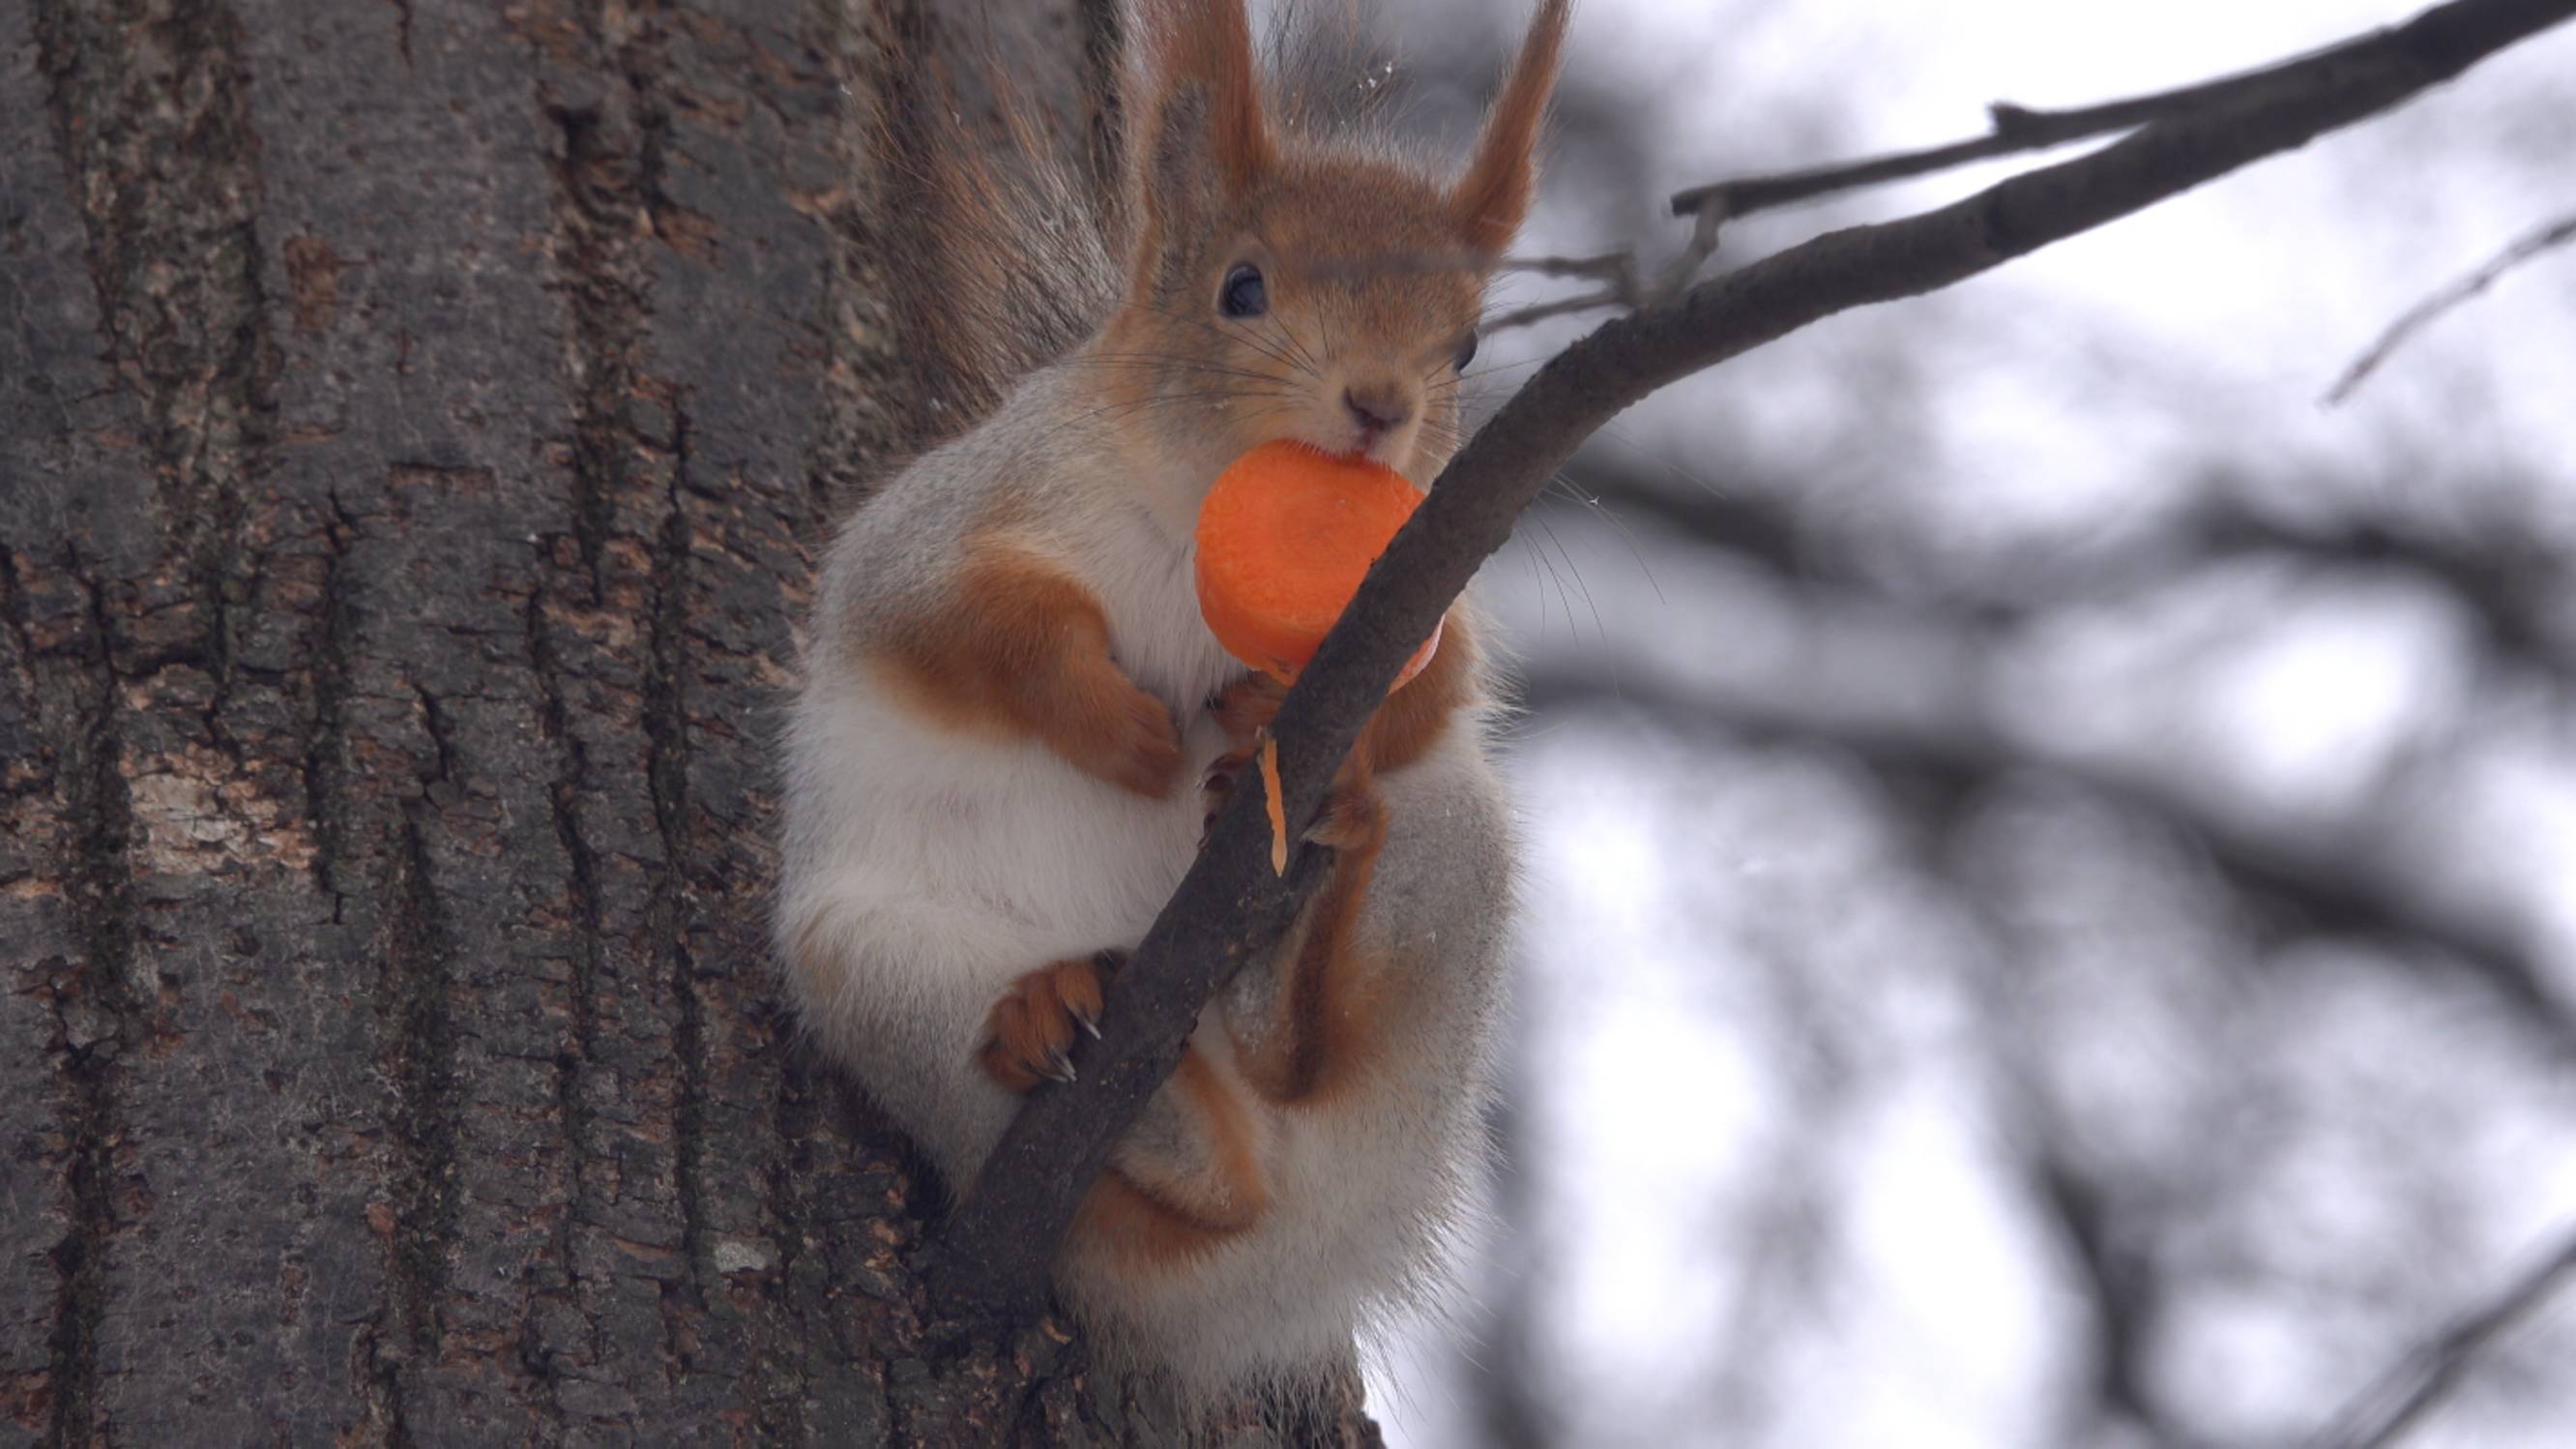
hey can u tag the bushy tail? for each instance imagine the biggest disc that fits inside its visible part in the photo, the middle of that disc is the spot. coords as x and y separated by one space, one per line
1005 240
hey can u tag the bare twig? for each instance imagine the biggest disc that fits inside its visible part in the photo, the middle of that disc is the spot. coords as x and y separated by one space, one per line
1538 312
1684 268
2390 1407
2016 129
1231 907
1617 270
2555 234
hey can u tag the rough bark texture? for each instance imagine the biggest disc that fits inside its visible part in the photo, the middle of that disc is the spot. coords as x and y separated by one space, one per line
414 421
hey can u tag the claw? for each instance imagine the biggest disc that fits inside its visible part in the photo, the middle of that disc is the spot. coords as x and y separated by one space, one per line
1087 1024
1060 1066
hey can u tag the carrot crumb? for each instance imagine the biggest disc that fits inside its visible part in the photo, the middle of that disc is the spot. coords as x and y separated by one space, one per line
1278 807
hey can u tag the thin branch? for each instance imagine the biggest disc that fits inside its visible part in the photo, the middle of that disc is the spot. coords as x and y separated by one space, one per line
1538 312
2016 129
2555 234
2390 1407
1232 908
1684 269
1616 269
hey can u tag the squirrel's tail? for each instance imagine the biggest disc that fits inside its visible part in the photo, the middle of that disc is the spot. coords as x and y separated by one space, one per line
1005 239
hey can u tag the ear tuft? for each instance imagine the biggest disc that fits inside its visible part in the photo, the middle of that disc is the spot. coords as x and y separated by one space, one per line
1493 198
1202 73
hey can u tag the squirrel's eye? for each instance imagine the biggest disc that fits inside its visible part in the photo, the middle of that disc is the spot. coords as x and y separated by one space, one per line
1243 294
1466 352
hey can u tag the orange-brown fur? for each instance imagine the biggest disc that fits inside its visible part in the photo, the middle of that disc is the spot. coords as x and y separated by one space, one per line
1211 53
1494 195
1157 1220
1229 1192
1355 252
1031 1028
1148 1231
1023 650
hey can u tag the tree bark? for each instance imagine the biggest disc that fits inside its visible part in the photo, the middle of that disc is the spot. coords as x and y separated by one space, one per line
415 422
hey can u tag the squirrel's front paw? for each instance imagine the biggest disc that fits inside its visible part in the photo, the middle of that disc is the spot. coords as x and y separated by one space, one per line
1246 707
1134 744
1028 1035
1217 787
1353 817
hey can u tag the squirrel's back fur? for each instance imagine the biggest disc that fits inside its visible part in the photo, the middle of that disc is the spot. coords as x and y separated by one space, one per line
1009 687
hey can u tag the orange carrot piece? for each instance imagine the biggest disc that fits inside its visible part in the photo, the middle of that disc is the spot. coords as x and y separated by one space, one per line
1283 540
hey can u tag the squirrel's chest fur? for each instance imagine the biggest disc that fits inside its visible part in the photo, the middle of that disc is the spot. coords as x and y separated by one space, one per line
1068 861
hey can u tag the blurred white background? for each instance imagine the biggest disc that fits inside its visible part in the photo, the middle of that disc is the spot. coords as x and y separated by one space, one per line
2054 907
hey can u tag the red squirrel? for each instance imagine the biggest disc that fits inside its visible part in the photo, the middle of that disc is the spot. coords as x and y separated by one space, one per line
1009 689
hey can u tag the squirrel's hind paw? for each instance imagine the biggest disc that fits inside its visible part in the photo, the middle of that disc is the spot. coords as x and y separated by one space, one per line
1028 1035
1353 818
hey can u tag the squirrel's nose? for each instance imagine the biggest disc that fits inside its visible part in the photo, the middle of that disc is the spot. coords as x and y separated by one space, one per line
1378 405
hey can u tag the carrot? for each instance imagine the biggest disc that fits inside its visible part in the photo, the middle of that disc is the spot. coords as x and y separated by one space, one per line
1283 541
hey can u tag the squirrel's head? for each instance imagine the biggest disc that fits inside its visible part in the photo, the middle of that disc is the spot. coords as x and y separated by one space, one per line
1285 287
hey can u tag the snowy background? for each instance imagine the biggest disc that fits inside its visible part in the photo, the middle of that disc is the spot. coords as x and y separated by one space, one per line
2053 917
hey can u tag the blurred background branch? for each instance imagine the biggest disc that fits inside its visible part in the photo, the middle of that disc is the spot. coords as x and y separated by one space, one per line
2016 129
2384 1415
2556 234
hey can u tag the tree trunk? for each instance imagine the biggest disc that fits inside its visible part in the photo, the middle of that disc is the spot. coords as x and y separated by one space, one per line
415 421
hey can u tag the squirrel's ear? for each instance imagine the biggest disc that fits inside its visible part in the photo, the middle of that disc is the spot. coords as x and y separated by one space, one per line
1493 197
1199 119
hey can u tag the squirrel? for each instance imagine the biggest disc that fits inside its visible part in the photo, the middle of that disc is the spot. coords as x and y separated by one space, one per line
1008 684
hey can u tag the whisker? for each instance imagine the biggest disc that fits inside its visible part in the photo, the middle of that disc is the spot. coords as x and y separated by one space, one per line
1563 483
1314 366
1599 630
1252 340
